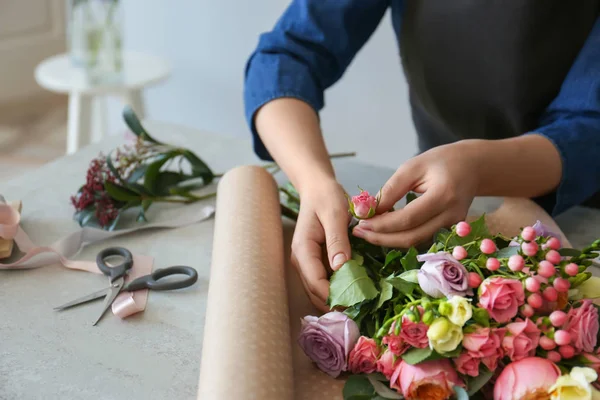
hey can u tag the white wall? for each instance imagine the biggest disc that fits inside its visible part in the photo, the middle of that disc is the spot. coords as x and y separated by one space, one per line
208 43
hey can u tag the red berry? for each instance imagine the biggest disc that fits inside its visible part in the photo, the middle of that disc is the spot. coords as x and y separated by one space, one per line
566 351
492 264
553 356
562 285
553 243
529 248
459 253
532 284
553 256
550 294
463 229
474 280
558 318
546 343
535 300
487 246
527 311
528 233
546 269
572 269
516 263
562 338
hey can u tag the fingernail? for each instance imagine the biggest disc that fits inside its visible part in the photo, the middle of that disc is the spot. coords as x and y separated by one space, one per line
358 232
364 224
338 260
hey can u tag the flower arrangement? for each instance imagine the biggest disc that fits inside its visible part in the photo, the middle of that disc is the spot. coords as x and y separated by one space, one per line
476 316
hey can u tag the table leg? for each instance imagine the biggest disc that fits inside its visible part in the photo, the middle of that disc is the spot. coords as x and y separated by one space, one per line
135 100
78 128
98 120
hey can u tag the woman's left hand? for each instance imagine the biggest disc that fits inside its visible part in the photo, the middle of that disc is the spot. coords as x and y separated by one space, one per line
448 178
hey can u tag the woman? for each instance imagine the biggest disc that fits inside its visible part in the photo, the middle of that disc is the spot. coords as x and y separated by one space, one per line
505 98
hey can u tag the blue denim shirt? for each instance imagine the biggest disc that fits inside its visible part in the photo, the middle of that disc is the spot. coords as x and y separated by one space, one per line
314 41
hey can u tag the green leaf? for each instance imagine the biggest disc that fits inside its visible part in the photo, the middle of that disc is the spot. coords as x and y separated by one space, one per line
111 167
410 197
411 276
199 167
153 171
350 285
507 252
358 387
409 261
386 293
358 258
165 180
383 391
461 394
120 193
479 229
415 355
391 256
146 203
403 286
475 384
137 173
566 252
133 122
113 224
84 216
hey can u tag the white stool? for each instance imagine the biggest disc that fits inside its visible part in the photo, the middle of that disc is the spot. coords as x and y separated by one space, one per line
87 112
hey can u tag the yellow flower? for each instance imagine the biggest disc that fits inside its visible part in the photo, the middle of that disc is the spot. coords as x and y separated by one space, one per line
575 386
589 289
461 310
444 336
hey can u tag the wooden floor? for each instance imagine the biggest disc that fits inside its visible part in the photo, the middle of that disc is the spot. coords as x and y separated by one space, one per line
32 133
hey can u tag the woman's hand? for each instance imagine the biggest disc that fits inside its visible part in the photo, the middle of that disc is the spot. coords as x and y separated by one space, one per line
447 178
323 221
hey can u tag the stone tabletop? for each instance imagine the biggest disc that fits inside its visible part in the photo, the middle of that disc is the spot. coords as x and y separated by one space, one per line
155 354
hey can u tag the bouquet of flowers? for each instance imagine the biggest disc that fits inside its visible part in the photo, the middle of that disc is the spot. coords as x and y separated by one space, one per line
476 316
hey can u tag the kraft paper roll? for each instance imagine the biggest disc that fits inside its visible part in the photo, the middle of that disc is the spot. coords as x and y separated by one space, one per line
250 349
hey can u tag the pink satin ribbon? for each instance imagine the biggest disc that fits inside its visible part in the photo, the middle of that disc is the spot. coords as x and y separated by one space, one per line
127 303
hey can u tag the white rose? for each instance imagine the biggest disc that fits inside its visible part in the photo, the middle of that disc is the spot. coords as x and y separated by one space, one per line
461 310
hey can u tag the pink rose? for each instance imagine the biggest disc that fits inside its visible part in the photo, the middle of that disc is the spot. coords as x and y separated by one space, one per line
328 340
388 363
434 380
582 324
364 205
414 333
522 339
486 344
529 378
467 364
501 298
363 357
395 343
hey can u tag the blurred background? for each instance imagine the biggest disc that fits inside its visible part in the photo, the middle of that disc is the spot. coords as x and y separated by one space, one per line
44 45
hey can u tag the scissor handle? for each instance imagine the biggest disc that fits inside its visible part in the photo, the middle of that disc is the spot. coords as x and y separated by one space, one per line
118 270
153 282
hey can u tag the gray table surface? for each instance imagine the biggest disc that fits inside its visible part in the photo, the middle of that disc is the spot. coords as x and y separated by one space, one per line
155 354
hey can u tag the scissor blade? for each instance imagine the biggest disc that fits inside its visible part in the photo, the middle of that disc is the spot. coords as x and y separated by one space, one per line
114 290
85 299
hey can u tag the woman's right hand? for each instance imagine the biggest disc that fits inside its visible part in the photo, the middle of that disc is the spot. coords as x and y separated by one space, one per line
322 223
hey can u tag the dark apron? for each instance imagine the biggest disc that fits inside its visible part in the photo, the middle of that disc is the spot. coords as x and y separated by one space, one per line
487 69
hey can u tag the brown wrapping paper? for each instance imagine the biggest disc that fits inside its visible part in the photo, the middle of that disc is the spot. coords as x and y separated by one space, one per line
249 349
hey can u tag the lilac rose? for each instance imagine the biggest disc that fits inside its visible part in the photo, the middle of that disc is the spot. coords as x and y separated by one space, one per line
443 276
328 340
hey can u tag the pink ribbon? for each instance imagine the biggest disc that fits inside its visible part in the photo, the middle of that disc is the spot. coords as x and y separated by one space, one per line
127 303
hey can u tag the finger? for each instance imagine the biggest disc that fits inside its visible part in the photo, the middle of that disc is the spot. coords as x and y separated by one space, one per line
312 270
416 213
405 239
318 303
335 225
397 186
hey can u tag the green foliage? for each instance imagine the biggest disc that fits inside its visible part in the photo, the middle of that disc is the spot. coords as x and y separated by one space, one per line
350 285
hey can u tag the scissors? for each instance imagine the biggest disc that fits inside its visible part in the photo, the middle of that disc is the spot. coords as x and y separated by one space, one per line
116 278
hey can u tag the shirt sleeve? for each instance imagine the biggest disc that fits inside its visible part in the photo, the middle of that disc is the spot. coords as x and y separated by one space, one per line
572 123
307 51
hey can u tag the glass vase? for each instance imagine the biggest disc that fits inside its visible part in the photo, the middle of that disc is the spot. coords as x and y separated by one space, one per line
95 31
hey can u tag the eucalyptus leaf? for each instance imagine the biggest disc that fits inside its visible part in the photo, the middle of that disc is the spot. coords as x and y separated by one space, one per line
476 383
114 223
507 252
350 285
461 394
133 122
120 193
415 356
567 252
137 173
409 261
199 167
84 216
383 390
386 293
358 385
